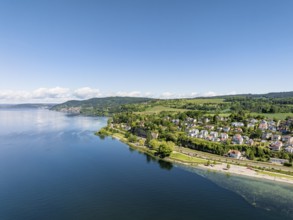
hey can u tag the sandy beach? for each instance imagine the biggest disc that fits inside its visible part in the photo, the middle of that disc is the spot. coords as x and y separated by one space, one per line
244 171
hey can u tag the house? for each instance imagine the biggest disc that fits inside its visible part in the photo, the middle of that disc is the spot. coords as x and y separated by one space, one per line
204 133
272 123
224 136
276 146
126 127
234 154
289 149
253 121
206 120
237 139
263 125
226 129
237 124
272 128
250 125
214 134
155 135
176 121
246 138
193 132
266 136
210 127
287 139
191 120
250 142
276 137
238 130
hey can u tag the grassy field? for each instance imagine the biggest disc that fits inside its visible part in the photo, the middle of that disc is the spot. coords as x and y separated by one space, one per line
159 108
184 158
203 101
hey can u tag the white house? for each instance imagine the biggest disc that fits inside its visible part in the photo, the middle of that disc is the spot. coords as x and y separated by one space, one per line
289 149
287 139
234 154
263 125
237 124
224 136
276 137
226 129
237 139
276 146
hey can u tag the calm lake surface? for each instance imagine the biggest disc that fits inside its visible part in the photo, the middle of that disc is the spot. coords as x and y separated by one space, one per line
53 167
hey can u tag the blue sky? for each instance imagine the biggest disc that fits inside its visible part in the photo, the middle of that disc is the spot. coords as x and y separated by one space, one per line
54 50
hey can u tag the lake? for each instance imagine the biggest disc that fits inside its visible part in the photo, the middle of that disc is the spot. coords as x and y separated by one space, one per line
52 166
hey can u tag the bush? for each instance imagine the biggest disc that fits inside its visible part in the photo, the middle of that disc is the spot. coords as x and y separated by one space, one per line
286 164
132 138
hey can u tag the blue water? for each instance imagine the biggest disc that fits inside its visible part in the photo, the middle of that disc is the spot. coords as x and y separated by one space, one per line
53 167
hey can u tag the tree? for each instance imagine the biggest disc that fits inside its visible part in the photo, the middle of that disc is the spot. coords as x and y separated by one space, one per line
154 144
256 134
166 148
251 155
141 142
208 163
132 138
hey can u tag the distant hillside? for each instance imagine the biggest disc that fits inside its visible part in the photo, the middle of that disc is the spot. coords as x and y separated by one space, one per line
272 95
101 106
28 105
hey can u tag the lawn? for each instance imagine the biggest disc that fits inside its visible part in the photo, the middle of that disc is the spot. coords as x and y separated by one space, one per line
159 108
184 158
203 101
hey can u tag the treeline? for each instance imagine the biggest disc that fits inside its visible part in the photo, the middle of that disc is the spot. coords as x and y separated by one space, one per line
260 105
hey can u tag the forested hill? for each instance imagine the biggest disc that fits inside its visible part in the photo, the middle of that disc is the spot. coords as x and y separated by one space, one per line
272 95
102 106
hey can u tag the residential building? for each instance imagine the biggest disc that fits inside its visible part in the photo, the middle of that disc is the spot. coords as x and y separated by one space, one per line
276 137
276 146
237 139
234 154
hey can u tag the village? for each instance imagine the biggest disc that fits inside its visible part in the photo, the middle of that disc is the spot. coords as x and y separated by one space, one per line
239 137
272 134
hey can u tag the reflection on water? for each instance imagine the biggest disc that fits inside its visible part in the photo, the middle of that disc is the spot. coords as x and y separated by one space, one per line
265 194
17 121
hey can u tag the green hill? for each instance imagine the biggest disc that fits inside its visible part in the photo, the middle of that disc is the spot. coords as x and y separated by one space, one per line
102 106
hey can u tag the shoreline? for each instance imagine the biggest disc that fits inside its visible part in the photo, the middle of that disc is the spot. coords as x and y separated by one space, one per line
219 167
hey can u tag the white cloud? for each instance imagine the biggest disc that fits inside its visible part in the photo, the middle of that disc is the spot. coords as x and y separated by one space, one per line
167 95
129 94
47 95
86 93
209 94
60 94
51 93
